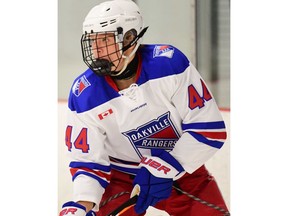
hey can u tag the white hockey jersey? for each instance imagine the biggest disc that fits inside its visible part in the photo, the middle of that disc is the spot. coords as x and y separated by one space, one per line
169 107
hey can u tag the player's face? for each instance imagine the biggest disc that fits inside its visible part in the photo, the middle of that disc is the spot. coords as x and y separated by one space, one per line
104 47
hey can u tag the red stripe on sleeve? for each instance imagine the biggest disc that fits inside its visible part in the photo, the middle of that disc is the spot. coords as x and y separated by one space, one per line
214 135
98 173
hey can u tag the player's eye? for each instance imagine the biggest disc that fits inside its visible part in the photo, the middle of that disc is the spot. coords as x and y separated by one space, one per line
104 40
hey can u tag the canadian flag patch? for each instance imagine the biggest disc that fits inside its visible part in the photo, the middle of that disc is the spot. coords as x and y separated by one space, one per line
105 114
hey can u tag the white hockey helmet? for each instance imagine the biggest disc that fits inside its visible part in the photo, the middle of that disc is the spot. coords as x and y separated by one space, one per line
118 17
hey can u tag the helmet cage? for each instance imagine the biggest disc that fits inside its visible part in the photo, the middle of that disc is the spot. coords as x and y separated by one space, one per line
102 66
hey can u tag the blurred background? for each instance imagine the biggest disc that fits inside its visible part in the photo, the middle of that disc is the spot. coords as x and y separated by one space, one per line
199 28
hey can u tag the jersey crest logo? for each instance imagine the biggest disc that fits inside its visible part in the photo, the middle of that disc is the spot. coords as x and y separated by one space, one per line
159 133
79 86
163 51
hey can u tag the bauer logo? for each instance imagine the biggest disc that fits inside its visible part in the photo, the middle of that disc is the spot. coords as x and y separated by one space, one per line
159 133
163 51
79 86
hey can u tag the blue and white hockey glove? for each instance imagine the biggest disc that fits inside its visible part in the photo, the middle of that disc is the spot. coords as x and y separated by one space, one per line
75 209
154 180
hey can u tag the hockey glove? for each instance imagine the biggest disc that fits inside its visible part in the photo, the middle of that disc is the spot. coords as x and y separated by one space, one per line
154 180
75 209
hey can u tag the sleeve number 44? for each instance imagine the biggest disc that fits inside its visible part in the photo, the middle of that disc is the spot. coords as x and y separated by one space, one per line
80 142
195 100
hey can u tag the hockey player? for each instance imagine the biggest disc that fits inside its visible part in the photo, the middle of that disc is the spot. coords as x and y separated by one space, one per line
141 121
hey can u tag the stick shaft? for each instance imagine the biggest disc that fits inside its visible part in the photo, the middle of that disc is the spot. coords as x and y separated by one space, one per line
225 212
124 207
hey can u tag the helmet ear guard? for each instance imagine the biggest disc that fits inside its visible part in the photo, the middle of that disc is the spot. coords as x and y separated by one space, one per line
135 39
129 36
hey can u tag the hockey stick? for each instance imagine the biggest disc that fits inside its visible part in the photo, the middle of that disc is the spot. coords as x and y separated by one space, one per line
112 198
124 207
225 212
132 201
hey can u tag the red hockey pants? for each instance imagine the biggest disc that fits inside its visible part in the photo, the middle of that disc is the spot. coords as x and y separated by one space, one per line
200 184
